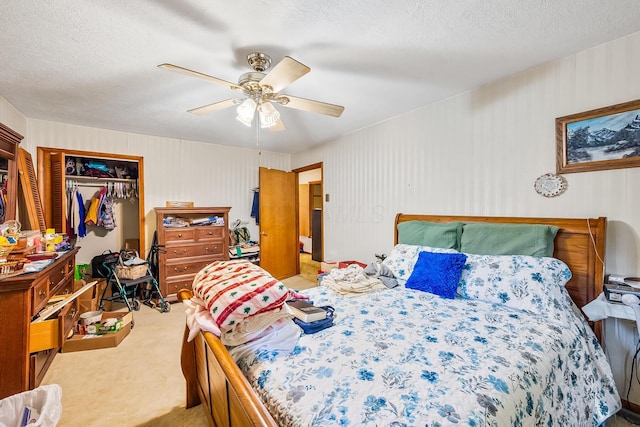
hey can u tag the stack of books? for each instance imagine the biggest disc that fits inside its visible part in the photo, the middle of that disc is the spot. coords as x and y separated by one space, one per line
309 317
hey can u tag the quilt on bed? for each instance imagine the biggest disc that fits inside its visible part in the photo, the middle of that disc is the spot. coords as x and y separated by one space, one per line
402 357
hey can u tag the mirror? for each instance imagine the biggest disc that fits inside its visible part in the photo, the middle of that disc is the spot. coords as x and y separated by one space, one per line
9 141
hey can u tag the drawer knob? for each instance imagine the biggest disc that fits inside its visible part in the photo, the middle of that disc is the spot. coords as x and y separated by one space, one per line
176 269
175 251
42 294
210 233
72 312
179 234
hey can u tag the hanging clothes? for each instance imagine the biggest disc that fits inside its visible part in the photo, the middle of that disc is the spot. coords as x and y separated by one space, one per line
93 214
255 207
106 217
81 229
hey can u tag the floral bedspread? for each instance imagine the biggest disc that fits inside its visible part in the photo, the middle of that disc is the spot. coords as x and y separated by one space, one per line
402 357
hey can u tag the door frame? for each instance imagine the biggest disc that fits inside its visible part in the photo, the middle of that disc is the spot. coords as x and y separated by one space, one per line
299 170
44 155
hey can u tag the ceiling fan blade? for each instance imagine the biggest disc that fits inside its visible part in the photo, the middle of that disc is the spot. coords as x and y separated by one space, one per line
199 75
279 126
284 73
212 108
313 106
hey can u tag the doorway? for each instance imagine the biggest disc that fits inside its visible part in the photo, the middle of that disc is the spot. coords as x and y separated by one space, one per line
286 235
310 219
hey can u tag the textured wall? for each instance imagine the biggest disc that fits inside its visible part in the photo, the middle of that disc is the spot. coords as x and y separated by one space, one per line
207 174
479 153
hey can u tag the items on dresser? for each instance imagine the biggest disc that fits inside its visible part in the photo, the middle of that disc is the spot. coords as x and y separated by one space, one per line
188 240
28 348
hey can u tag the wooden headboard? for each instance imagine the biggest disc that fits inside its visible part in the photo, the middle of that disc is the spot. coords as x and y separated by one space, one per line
580 243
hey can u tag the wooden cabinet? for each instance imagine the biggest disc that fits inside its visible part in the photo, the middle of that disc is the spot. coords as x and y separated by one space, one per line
9 141
27 349
183 251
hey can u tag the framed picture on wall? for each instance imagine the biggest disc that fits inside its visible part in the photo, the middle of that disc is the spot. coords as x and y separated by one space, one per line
606 138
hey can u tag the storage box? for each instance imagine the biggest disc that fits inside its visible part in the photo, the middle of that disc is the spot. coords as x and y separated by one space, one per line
90 299
345 264
94 342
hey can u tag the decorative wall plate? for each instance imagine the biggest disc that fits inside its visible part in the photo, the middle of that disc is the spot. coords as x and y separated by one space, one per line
550 185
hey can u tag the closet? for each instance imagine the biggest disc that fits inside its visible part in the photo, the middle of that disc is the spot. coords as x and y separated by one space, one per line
63 172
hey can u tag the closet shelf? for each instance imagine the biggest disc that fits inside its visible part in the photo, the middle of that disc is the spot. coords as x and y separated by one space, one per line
97 179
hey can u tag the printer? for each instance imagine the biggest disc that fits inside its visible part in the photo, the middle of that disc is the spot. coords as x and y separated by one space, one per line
616 286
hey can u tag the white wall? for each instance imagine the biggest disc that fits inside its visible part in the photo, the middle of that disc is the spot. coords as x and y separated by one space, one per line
479 153
207 174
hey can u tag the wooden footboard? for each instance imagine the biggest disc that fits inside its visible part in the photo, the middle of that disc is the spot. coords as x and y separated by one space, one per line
214 380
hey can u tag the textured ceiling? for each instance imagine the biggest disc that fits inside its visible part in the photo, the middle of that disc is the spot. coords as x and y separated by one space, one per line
94 63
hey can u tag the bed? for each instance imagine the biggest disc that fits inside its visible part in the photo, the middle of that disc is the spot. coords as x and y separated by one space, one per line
461 361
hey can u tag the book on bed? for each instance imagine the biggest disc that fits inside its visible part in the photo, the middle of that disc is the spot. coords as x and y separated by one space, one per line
305 311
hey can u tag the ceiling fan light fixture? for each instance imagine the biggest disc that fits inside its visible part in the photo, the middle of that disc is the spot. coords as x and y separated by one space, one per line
269 116
245 112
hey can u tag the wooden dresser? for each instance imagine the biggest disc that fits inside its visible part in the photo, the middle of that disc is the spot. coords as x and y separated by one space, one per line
183 251
26 349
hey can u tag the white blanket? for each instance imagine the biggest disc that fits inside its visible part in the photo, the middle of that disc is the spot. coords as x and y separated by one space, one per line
351 281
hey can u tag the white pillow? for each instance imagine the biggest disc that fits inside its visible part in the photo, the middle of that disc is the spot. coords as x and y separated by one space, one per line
403 257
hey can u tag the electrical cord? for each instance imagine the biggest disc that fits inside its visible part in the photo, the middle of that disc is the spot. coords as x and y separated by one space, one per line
633 365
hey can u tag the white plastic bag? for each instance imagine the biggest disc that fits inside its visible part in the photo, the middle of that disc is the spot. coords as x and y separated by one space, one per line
45 400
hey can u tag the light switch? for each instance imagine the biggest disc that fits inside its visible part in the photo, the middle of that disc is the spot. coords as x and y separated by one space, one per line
326 197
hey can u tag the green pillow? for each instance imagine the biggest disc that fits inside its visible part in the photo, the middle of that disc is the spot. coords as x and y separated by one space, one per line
508 239
433 234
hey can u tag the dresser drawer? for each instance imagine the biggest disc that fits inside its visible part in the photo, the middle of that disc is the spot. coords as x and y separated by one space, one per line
173 285
64 287
39 295
38 364
173 269
210 248
51 333
179 235
209 233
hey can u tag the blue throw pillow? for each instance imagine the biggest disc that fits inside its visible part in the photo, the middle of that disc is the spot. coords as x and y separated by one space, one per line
437 273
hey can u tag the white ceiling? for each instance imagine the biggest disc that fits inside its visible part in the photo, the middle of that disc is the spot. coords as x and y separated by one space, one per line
94 63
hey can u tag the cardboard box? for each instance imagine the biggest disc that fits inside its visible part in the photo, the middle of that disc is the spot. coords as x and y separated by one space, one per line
94 342
90 299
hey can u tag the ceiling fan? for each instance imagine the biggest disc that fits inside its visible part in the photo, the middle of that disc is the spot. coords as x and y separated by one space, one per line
260 90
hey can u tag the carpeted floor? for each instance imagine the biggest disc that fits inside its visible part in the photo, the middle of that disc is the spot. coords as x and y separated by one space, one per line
138 383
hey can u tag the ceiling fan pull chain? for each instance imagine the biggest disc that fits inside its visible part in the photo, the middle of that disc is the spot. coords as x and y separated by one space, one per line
257 130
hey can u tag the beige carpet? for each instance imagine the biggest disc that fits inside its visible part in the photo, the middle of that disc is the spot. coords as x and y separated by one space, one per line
138 383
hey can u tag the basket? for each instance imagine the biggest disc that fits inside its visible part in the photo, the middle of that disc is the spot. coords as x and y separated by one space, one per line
130 271
5 250
11 268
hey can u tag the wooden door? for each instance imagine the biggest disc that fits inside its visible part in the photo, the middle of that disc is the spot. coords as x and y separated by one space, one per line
279 245
58 200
